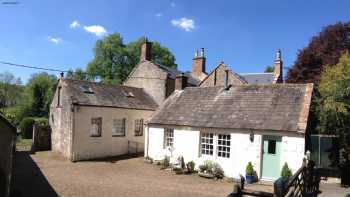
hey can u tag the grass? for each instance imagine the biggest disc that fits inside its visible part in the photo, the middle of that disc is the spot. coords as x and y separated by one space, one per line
24 142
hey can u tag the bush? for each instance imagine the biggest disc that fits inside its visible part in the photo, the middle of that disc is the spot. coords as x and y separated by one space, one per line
249 169
165 162
42 122
26 126
190 166
218 172
286 172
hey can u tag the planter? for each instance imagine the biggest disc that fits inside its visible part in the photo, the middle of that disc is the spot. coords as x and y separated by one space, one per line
250 178
280 186
206 175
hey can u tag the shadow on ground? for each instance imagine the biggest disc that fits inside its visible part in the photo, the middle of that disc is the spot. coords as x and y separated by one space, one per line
28 180
115 159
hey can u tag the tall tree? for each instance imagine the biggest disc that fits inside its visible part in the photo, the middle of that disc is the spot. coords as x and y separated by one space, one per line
38 95
114 60
334 105
10 90
324 49
269 69
78 74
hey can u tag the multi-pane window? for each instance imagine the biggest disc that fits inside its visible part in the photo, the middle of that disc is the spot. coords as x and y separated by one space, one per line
207 143
168 137
119 127
96 127
224 144
138 127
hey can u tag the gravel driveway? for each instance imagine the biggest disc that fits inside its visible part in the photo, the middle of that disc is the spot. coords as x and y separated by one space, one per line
46 174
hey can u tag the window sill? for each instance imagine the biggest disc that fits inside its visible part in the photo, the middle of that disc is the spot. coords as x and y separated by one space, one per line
118 135
95 136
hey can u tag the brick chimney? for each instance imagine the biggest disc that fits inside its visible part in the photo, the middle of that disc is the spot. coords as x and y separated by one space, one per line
278 68
198 65
180 81
146 49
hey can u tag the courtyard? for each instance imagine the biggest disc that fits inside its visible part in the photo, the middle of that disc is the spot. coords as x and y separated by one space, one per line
47 174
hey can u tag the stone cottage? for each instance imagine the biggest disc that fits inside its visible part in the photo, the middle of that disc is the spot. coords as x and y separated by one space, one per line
91 120
233 125
7 150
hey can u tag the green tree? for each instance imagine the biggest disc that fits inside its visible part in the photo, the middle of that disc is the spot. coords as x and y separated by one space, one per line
78 74
10 90
269 69
114 60
323 49
334 105
37 97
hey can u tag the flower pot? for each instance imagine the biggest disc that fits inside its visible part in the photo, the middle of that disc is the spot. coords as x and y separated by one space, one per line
250 178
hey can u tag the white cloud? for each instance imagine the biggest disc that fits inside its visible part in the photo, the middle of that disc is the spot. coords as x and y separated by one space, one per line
172 4
74 24
98 30
159 15
54 40
184 23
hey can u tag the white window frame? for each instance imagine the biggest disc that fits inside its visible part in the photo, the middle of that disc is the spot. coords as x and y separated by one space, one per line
119 127
168 137
96 127
223 145
207 143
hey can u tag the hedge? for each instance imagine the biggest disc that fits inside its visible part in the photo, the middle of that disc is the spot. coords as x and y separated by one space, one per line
26 126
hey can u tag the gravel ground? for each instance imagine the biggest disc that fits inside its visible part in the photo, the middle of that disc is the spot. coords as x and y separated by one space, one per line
46 174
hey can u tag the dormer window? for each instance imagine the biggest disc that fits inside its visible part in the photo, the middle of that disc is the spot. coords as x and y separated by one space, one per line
86 89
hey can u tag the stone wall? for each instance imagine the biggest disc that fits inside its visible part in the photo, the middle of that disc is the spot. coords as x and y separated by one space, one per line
7 149
152 79
61 122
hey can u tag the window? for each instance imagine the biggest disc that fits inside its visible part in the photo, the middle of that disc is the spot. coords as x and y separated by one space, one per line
59 96
86 89
271 149
207 143
119 127
96 127
168 137
224 144
138 127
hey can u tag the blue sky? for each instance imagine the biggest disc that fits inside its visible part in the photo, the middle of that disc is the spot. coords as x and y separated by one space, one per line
244 34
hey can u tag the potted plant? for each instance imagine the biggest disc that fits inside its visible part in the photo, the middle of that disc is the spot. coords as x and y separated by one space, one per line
190 167
280 185
206 169
249 173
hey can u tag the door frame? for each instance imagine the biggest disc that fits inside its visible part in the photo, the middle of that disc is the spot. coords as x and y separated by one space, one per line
262 156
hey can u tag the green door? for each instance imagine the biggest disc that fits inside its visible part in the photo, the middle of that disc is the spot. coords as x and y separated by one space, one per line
271 157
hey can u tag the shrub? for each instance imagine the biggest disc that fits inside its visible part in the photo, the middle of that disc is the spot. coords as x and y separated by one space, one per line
165 162
42 122
26 126
190 166
249 169
218 172
286 172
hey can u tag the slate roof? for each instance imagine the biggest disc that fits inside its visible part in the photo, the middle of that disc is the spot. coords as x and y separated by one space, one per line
97 94
258 78
278 107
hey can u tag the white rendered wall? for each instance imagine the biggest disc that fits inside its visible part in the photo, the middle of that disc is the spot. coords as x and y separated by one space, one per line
293 149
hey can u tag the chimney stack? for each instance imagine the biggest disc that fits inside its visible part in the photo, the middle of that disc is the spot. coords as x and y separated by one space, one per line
278 68
180 81
198 65
62 74
146 49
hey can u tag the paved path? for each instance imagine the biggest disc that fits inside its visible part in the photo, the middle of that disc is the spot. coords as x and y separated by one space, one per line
45 174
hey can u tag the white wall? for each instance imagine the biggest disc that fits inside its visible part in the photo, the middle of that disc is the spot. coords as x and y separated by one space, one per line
187 144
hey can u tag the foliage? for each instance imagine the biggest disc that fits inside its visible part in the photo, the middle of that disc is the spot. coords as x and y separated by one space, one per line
26 126
286 172
269 69
10 91
165 163
249 169
324 49
42 122
78 74
190 166
38 95
206 167
218 172
114 60
334 105
24 142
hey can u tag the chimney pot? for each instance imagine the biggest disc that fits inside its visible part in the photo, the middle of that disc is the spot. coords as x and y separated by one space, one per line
278 68
198 65
62 74
202 52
